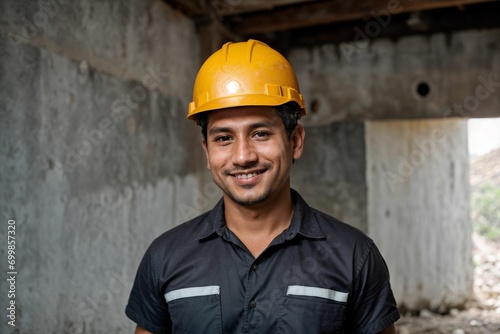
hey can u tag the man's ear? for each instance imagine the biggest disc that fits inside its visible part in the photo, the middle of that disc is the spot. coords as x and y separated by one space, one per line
205 148
297 141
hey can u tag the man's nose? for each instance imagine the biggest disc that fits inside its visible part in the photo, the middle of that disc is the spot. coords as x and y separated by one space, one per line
244 153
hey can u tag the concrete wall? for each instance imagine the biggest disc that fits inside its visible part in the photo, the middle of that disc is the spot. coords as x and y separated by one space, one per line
378 79
331 173
96 157
418 209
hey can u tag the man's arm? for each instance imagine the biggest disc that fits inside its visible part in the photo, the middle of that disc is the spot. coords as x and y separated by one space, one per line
389 330
147 305
140 330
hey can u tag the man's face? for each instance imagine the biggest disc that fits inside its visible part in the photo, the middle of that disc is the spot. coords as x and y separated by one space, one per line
249 154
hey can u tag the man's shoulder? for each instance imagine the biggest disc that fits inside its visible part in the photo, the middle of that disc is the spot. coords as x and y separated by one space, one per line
182 234
347 241
335 228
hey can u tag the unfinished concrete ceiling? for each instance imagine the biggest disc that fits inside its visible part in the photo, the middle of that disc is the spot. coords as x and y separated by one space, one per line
312 22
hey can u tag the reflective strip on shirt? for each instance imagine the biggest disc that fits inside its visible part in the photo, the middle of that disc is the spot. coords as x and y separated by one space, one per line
300 290
192 292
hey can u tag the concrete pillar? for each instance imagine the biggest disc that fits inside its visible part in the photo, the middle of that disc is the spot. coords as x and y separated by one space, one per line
418 209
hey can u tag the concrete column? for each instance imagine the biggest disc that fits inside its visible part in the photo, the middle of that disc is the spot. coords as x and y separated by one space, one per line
418 209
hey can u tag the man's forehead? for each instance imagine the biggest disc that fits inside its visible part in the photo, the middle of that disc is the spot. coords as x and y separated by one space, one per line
241 115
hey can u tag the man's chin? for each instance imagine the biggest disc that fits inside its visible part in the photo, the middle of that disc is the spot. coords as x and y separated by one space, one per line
249 201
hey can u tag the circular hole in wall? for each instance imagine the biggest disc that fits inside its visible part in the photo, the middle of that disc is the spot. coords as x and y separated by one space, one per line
423 89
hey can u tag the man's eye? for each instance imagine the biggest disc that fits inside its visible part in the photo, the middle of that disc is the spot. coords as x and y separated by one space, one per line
223 138
261 134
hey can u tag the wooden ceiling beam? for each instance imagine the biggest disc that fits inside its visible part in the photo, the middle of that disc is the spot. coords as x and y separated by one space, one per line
325 12
444 20
233 7
191 8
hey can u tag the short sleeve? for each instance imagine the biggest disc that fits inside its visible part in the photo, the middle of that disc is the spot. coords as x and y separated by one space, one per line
372 307
147 306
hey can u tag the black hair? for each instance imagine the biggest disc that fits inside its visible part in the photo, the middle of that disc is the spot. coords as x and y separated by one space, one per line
288 112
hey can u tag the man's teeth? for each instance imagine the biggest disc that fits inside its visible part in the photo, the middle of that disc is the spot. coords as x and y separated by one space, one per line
247 176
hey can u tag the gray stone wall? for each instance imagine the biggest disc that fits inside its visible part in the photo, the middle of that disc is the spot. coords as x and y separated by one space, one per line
96 157
331 173
380 78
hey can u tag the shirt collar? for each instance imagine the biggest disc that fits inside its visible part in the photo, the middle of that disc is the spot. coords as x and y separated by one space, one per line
213 222
303 222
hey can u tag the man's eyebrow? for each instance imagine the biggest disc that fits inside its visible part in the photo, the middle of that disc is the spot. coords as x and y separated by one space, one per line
218 129
263 125
223 129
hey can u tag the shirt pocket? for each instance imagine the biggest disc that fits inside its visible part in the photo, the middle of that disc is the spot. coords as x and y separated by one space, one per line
307 309
195 310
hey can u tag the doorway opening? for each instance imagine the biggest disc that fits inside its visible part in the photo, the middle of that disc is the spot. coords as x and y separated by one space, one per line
484 176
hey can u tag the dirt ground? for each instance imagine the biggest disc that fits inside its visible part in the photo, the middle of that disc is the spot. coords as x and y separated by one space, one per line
481 315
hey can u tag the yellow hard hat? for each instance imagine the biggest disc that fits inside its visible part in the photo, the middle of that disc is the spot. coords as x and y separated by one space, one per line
244 74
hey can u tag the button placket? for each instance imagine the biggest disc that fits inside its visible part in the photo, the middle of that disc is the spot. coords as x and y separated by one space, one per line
253 281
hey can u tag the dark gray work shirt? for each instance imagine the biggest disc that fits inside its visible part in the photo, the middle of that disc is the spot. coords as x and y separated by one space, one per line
318 276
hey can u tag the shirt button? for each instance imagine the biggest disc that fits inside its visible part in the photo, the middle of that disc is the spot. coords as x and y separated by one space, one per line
252 304
255 267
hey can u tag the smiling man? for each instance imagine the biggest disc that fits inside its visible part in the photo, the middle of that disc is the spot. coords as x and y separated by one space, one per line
262 260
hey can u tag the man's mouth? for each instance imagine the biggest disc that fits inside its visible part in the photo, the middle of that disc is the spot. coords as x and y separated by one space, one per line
244 175
247 176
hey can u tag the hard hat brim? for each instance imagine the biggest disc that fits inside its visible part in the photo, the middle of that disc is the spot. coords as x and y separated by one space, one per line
242 101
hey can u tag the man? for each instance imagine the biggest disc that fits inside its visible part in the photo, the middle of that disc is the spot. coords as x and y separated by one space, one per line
262 261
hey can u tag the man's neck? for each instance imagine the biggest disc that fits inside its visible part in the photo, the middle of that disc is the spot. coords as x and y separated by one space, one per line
273 214
257 225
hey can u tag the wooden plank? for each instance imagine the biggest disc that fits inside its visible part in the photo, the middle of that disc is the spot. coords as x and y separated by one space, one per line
191 8
200 8
444 20
232 7
325 12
